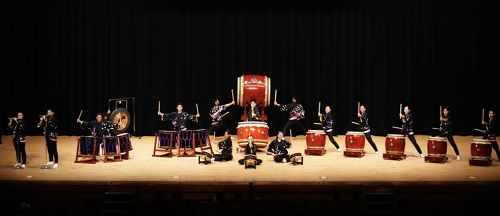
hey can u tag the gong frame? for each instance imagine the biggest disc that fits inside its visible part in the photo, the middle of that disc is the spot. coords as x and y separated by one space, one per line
124 100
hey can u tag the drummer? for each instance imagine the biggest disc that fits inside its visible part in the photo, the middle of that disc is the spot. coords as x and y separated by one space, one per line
327 125
490 132
250 149
98 128
226 148
297 113
253 113
178 118
365 127
407 128
216 114
278 148
445 129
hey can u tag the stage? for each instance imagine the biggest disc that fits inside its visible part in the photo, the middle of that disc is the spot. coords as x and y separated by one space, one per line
331 183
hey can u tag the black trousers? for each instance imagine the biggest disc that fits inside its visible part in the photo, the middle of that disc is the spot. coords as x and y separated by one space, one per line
368 136
452 143
52 149
221 157
294 124
20 148
330 136
414 142
494 145
279 158
215 128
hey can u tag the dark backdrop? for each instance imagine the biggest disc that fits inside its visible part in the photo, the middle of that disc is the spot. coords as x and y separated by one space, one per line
76 55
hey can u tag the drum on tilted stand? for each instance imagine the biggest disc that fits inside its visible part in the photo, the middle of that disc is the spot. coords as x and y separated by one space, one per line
480 151
111 149
125 145
164 142
395 147
315 141
250 161
354 144
86 149
296 158
436 150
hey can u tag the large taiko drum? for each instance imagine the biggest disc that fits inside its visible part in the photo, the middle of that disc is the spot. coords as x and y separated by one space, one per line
315 139
395 143
259 131
256 87
437 146
355 140
480 149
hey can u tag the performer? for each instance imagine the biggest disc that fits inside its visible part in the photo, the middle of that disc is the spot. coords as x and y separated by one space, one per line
226 149
250 149
445 129
178 118
277 148
327 125
18 127
364 126
98 128
297 113
50 125
407 128
490 132
253 113
216 114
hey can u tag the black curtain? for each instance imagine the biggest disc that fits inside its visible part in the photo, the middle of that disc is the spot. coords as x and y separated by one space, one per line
76 55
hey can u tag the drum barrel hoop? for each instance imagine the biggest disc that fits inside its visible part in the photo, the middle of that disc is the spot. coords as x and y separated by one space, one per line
315 147
351 149
480 157
398 152
439 155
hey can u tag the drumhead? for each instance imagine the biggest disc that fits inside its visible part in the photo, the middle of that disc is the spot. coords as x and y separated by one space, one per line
481 141
437 138
252 124
316 131
354 132
396 135
123 134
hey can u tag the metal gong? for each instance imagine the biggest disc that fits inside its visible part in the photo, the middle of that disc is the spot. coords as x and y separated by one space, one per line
121 117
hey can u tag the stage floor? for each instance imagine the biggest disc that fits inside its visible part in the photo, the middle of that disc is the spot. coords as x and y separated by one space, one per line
320 176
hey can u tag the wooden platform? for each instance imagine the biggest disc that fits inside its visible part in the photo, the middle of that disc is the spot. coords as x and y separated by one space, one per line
330 177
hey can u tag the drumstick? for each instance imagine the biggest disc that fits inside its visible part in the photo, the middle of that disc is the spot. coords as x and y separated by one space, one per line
291 137
355 123
440 112
197 112
317 123
479 130
358 107
319 111
80 114
232 94
158 106
482 116
436 128
397 128
275 93
224 114
400 110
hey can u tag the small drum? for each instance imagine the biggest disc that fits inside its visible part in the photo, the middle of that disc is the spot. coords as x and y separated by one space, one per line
355 140
205 158
395 143
480 149
259 131
125 144
250 161
165 138
86 145
201 138
437 146
315 139
296 158
111 145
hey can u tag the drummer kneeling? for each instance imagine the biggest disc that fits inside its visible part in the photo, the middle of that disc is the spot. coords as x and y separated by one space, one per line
278 148
250 152
226 149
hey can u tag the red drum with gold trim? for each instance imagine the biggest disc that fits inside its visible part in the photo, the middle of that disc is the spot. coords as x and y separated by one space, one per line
315 139
255 87
395 143
259 131
480 149
437 146
355 140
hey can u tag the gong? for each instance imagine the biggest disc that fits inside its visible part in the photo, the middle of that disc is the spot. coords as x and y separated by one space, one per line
121 117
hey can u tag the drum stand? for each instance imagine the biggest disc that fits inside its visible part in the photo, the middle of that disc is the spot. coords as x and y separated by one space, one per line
394 156
170 145
480 161
436 158
92 157
192 151
203 158
297 159
354 153
314 151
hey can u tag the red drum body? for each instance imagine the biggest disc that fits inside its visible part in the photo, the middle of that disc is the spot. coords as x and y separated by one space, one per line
254 87
315 141
480 151
437 146
355 140
480 148
259 131
395 143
